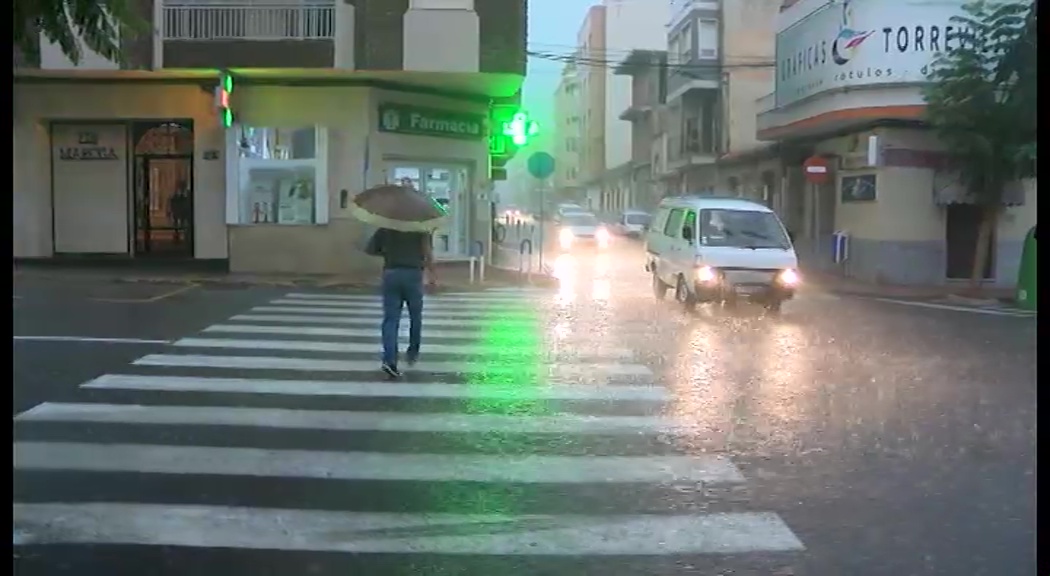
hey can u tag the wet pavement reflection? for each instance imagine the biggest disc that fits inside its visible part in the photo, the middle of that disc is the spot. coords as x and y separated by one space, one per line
586 429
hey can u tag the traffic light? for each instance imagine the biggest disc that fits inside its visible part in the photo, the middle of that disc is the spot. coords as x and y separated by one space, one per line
223 93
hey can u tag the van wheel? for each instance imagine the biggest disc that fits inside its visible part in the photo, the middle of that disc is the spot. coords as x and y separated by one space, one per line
683 296
659 287
773 308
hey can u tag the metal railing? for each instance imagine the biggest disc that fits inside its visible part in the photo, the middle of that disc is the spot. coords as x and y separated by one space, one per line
247 21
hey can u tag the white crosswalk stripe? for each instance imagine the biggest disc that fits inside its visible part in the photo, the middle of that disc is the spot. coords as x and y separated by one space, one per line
290 392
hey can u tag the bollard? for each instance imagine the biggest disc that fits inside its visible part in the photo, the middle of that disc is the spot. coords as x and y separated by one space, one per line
521 256
473 261
479 254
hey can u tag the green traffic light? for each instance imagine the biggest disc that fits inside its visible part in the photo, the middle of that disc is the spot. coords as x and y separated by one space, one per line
227 117
227 82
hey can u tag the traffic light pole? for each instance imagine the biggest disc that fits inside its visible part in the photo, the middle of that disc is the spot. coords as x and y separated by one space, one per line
543 219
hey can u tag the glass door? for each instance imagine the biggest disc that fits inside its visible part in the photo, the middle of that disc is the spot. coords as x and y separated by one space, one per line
448 185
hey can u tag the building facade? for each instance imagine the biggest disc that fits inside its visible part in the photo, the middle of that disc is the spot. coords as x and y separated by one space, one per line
567 135
610 31
848 91
648 72
721 58
328 98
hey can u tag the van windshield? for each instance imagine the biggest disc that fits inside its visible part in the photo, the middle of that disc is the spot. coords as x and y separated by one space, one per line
742 229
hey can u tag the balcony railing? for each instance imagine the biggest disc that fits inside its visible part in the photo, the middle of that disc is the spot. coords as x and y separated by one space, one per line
248 21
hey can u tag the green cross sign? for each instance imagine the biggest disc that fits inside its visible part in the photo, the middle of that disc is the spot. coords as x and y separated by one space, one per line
520 129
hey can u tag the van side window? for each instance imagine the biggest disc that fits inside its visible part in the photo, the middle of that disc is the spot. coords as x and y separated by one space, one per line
689 222
674 223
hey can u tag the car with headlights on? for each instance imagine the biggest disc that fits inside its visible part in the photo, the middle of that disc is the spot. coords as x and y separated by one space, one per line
720 250
581 230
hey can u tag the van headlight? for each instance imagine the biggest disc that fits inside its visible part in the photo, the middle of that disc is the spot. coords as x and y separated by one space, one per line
788 277
706 274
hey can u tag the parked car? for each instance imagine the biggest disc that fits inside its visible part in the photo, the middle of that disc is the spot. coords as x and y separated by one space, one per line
632 223
718 249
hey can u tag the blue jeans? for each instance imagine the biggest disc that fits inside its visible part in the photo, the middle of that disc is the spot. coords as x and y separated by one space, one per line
401 286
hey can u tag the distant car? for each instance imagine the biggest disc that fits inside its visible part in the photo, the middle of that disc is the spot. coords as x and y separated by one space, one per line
581 229
633 223
564 209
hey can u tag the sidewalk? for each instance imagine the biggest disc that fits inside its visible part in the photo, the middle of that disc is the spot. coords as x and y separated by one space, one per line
955 292
452 277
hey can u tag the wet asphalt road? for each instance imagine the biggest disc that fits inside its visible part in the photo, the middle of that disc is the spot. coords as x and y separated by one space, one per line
848 437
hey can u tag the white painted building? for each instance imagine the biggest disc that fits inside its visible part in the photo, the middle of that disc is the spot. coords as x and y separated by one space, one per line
135 163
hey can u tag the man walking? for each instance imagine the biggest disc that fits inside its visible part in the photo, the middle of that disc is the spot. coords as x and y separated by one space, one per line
407 258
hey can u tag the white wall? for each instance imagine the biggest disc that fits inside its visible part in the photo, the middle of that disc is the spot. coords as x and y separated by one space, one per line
630 25
35 105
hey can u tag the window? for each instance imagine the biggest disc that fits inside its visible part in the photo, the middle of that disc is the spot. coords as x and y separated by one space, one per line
278 176
673 48
685 44
707 39
689 226
742 229
673 228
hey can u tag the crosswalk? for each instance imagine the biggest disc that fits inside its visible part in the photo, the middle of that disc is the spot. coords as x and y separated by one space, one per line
273 431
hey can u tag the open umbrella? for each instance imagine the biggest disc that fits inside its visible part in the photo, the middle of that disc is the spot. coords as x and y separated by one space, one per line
398 208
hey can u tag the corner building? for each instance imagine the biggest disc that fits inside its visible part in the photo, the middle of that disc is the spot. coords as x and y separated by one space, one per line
328 98
848 89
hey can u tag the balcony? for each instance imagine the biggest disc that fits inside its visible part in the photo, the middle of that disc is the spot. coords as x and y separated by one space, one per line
246 34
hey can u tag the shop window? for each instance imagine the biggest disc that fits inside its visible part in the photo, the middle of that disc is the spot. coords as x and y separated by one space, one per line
281 176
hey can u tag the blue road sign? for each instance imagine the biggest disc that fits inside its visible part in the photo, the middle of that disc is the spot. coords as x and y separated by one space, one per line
541 165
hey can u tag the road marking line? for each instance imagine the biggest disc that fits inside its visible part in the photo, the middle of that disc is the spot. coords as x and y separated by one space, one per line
346 421
372 332
376 389
468 325
501 307
377 312
346 465
988 311
474 297
496 353
151 299
401 533
566 371
89 339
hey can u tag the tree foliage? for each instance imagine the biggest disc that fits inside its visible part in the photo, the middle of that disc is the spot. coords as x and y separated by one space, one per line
98 25
981 99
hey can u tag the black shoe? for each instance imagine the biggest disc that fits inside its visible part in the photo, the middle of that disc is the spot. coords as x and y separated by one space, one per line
412 358
391 370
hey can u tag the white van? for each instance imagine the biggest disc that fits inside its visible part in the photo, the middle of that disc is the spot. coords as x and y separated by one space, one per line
718 249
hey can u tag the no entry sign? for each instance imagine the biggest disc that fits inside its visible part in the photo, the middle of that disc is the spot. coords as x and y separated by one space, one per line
817 169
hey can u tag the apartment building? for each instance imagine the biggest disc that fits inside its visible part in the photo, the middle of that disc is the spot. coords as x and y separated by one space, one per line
721 57
610 31
236 133
566 147
848 93
648 72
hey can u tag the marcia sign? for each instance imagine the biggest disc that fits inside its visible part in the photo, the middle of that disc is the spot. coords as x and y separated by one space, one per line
852 43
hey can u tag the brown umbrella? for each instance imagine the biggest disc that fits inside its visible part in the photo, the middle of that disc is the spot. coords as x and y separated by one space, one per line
398 208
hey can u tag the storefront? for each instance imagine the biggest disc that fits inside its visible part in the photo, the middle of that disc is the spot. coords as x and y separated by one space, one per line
848 90
144 170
